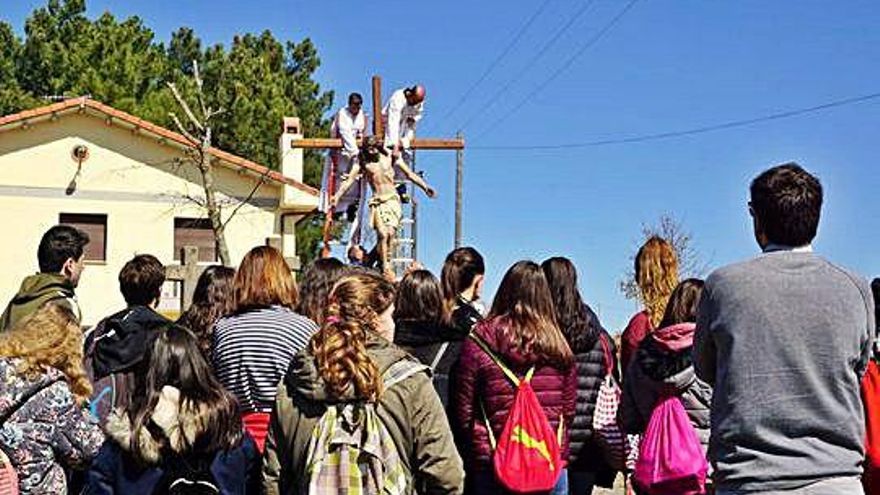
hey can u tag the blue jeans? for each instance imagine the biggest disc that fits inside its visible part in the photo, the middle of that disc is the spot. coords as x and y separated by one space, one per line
483 483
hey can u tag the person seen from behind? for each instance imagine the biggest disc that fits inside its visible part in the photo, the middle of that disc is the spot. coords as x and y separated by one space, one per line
181 427
662 366
252 347
61 256
315 286
46 428
421 329
521 331
462 281
352 377
115 348
212 299
656 272
785 339
584 333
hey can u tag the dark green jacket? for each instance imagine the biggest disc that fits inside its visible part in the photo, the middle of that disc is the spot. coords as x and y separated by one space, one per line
36 290
410 410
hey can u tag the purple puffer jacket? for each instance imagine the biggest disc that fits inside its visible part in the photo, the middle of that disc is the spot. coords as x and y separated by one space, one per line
478 379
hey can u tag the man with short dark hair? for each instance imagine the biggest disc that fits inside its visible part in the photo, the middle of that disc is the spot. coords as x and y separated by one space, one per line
61 259
785 339
115 350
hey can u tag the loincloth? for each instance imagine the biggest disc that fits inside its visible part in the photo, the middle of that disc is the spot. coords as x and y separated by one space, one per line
385 211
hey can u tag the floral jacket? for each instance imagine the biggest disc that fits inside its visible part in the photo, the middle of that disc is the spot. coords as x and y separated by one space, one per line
46 434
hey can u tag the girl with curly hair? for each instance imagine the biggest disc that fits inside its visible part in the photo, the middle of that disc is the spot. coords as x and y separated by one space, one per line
43 392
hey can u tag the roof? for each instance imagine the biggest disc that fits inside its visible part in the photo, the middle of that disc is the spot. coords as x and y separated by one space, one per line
118 117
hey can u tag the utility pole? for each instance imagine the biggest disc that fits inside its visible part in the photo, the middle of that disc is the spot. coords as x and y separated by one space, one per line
459 177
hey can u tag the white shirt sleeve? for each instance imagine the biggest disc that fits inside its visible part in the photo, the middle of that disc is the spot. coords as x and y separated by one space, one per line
346 129
413 116
394 112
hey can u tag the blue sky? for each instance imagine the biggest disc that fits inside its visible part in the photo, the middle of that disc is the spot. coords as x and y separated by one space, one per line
667 65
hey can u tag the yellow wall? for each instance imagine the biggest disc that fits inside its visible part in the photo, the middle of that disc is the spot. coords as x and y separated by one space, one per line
140 201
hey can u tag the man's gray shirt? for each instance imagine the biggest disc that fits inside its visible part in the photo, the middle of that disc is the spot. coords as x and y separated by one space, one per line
785 339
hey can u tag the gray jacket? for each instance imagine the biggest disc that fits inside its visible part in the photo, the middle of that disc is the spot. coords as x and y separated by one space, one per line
656 372
785 339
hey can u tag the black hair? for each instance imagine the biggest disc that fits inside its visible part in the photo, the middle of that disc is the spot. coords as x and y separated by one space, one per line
875 289
572 316
787 202
355 98
683 303
213 299
174 360
315 287
419 298
461 267
60 243
141 279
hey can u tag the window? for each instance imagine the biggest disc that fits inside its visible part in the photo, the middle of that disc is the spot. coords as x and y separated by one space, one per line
195 232
93 225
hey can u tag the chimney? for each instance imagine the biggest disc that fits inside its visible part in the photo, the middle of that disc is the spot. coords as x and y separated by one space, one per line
291 159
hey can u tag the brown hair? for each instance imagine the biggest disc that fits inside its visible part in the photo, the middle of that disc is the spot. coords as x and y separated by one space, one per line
174 360
656 270
524 306
49 338
461 267
315 287
339 347
683 303
263 279
141 279
419 298
212 299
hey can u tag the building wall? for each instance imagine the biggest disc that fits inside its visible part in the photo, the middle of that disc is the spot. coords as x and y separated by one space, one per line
138 183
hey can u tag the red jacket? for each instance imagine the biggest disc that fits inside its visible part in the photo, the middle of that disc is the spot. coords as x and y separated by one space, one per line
478 379
639 327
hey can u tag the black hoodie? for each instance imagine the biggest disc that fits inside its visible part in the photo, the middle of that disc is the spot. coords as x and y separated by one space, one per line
424 340
114 352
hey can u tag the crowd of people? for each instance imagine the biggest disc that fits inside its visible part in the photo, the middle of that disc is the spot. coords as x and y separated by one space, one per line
347 382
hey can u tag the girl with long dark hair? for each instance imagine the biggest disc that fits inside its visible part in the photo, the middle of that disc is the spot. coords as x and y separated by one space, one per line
180 416
347 362
213 299
421 328
521 330
462 282
591 346
315 286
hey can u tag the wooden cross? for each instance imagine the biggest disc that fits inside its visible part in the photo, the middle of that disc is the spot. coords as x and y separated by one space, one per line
187 273
456 143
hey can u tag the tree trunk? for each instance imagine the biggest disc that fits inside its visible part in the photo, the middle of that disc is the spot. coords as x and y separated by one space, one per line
207 170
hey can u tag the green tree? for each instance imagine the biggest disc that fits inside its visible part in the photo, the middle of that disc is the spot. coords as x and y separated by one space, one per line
257 80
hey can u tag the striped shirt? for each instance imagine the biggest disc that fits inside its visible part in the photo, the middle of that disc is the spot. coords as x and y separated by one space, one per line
251 352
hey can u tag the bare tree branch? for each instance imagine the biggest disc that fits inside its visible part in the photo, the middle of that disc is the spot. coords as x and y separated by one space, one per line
185 107
199 94
260 182
183 130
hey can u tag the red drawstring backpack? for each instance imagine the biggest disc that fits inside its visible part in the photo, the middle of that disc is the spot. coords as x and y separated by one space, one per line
871 401
527 457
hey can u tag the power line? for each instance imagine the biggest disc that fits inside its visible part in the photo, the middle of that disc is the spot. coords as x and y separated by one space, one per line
522 30
530 65
688 132
592 41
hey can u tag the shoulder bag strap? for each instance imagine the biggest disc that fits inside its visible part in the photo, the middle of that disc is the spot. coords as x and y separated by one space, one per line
609 359
439 355
25 398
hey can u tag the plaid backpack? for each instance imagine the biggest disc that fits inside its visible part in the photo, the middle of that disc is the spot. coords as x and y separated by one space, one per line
351 451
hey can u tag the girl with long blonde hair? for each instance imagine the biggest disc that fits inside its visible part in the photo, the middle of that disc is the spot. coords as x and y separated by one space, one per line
656 274
43 391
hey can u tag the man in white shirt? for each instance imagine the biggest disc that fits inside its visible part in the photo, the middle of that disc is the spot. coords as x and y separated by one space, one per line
350 125
401 114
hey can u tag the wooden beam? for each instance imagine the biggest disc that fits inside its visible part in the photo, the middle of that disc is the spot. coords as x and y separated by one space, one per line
417 144
378 130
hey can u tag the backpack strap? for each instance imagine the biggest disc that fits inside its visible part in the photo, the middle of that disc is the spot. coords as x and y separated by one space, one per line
400 371
439 355
497 360
25 398
606 350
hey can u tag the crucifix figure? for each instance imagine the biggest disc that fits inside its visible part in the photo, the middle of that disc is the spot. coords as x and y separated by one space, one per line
401 116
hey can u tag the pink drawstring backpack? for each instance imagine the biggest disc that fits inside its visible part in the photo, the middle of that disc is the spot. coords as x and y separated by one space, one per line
671 459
